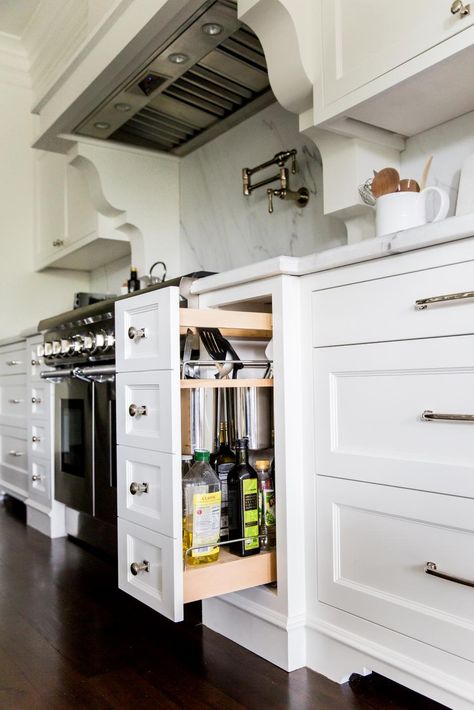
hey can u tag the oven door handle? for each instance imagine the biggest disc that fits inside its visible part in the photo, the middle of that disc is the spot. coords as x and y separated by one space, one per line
88 374
57 376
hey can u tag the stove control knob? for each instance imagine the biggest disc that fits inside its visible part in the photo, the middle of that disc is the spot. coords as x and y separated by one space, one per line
40 350
88 343
78 343
104 341
48 349
66 346
56 346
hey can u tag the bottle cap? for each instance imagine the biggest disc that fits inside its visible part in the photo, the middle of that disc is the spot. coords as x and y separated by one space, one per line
201 455
262 464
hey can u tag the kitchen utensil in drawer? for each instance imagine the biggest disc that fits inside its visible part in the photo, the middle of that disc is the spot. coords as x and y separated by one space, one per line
219 348
251 414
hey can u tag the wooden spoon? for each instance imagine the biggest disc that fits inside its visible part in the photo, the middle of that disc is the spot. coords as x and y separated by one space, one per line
386 180
408 185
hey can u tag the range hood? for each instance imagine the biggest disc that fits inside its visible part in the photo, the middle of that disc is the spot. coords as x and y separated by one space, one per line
210 75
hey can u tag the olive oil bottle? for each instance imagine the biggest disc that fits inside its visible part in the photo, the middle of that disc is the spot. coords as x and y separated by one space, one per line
201 511
242 485
223 464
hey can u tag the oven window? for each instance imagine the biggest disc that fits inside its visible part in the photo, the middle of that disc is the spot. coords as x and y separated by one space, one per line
72 437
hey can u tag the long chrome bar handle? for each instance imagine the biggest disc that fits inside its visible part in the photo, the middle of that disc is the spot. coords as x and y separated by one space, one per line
422 303
428 416
432 568
13 363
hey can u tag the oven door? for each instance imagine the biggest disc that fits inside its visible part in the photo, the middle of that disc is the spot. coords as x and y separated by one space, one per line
74 446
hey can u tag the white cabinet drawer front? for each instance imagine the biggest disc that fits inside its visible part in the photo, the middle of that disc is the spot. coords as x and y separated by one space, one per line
384 309
147 331
13 398
369 402
148 411
40 399
14 451
40 480
12 361
157 502
376 541
40 439
160 585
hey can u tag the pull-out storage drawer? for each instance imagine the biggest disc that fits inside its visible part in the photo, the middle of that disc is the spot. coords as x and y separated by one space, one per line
369 405
377 543
149 489
12 360
151 570
148 412
40 438
13 400
40 399
385 309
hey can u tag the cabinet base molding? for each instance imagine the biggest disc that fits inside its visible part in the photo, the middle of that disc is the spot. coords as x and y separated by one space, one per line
13 490
49 521
337 653
269 634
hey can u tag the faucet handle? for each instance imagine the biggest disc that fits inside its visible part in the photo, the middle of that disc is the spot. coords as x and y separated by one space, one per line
270 200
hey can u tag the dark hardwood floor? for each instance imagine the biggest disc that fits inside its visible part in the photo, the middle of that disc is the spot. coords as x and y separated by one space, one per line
70 639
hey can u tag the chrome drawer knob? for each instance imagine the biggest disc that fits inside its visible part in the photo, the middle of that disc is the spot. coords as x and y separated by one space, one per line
35 362
36 477
136 410
35 439
137 567
136 333
458 7
138 488
36 400
58 242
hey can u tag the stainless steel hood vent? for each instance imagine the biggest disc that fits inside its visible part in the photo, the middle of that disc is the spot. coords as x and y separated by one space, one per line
208 77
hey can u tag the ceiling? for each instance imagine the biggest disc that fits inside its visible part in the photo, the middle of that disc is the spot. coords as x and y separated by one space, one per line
15 15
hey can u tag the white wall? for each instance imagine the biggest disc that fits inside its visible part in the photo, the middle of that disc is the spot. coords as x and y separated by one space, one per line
109 278
222 229
25 296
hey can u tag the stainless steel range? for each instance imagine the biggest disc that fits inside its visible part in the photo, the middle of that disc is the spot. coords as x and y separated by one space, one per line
79 346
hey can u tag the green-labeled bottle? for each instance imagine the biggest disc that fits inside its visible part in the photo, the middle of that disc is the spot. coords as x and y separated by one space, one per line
242 485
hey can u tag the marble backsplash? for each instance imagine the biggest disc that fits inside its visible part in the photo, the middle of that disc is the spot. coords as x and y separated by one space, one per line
450 144
221 228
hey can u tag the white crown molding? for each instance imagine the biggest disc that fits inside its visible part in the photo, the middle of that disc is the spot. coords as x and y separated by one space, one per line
13 61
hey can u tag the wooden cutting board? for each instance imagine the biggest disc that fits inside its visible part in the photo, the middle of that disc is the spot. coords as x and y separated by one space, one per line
465 203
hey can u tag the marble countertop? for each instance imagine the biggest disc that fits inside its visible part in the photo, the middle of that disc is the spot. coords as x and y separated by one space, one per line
448 230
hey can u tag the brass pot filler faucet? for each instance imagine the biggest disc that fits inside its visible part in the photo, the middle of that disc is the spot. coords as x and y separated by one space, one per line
300 196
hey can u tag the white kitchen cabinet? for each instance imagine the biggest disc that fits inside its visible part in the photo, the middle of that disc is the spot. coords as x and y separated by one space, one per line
43 512
378 541
13 407
69 231
149 441
364 39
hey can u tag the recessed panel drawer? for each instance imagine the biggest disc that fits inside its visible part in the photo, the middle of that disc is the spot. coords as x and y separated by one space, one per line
149 489
13 448
385 309
369 413
40 399
376 544
150 568
12 360
147 331
40 480
148 414
13 399
40 439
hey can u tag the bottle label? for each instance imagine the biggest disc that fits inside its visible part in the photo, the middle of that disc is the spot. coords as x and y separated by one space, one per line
206 522
250 494
222 473
266 504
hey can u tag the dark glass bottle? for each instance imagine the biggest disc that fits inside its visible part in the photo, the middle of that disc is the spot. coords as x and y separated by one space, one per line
224 461
133 283
242 484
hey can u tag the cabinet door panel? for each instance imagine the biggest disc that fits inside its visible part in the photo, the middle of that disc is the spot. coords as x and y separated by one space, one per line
40 481
376 543
50 178
13 400
154 316
363 39
148 414
368 404
13 448
160 585
159 506
12 361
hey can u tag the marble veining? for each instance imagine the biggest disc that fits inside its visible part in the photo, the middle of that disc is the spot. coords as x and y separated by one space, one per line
221 228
